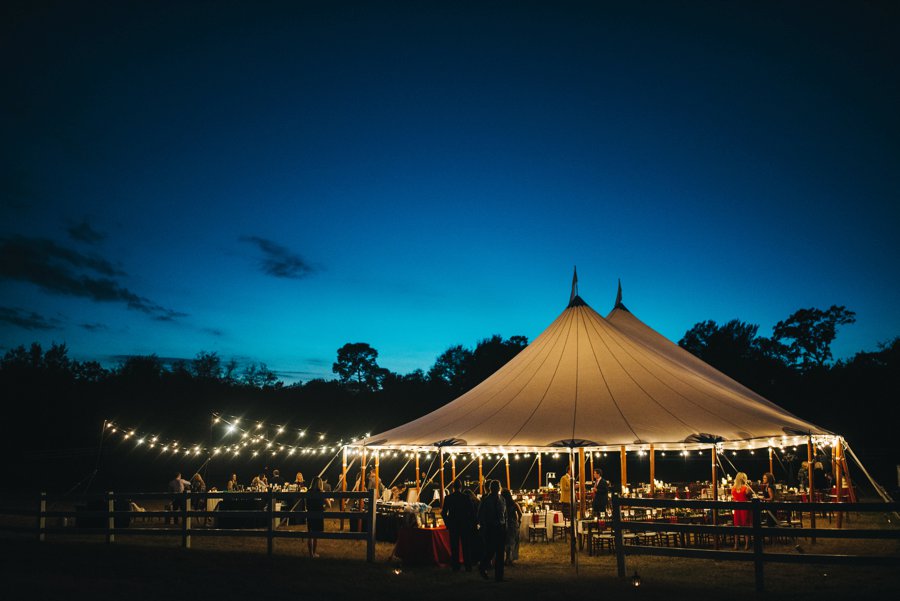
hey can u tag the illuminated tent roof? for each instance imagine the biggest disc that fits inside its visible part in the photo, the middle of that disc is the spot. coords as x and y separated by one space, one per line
602 383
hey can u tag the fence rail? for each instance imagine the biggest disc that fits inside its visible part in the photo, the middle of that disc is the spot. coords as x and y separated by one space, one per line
110 519
758 556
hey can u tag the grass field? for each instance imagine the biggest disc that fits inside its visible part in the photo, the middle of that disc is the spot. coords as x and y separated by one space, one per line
136 568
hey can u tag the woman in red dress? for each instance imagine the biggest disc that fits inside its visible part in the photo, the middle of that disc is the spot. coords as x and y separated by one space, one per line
742 517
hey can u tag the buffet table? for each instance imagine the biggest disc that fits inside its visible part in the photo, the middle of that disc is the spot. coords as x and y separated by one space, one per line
423 546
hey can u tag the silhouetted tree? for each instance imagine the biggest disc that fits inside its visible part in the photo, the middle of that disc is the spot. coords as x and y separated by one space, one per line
449 368
804 339
491 354
260 376
357 365
141 369
90 372
207 366
723 345
460 369
230 372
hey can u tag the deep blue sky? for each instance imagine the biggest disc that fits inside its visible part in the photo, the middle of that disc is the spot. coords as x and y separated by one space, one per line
272 182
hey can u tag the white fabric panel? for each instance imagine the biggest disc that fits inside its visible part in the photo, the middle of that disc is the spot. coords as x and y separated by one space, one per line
608 382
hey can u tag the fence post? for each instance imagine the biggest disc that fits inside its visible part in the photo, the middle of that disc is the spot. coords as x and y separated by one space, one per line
270 523
110 517
617 531
42 518
370 541
757 545
185 520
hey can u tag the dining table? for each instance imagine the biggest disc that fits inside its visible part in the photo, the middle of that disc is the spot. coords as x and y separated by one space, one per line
528 519
424 546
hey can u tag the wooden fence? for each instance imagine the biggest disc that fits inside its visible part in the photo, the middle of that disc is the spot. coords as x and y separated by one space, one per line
106 514
757 531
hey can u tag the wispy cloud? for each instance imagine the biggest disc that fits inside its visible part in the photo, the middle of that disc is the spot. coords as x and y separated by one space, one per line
94 327
60 270
213 332
83 232
278 261
27 320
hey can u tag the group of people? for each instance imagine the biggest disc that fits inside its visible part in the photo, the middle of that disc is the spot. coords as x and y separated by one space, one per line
742 492
262 482
821 479
599 486
487 530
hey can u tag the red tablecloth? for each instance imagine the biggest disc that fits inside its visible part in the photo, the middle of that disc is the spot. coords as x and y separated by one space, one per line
423 546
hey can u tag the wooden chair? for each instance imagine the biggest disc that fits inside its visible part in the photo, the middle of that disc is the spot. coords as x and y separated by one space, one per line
561 530
601 541
537 529
669 539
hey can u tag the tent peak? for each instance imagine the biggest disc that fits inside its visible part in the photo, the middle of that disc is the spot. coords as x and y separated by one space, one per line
574 299
619 304
574 294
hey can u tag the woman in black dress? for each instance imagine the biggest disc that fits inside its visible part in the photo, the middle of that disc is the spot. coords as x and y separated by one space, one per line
315 501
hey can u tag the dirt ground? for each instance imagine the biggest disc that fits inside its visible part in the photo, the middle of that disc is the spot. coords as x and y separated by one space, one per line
136 568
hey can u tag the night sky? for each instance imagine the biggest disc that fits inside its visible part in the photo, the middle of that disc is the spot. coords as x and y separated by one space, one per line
272 182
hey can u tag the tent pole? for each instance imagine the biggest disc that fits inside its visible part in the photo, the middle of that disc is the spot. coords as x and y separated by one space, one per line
418 480
377 472
540 473
771 468
452 468
591 456
846 467
442 476
622 459
343 483
508 481
715 491
362 471
836 465
582 505
480 476
572 510
811 498
652 471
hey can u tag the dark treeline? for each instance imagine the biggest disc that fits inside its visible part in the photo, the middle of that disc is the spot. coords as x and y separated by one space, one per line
58 404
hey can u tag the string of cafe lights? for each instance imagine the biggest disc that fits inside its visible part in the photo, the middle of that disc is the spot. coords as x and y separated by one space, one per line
255 438
250 439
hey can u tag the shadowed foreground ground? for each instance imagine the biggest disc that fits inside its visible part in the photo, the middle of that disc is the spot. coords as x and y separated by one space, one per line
134 569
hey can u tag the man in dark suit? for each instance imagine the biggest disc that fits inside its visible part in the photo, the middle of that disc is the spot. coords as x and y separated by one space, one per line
459 516
492 519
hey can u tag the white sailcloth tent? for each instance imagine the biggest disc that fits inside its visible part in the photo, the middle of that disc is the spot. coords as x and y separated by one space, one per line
602 384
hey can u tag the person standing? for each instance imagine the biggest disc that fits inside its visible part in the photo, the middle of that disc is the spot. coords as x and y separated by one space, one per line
820 482
601 494
459 516
565 489
232 484
315 501
513 519
177 486
769 496
492 520
198 487
742 517
803 477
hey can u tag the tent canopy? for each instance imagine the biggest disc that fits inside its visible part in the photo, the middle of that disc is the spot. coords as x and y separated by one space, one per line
602 383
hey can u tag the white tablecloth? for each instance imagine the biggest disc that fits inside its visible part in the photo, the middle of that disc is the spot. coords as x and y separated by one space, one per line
553 517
